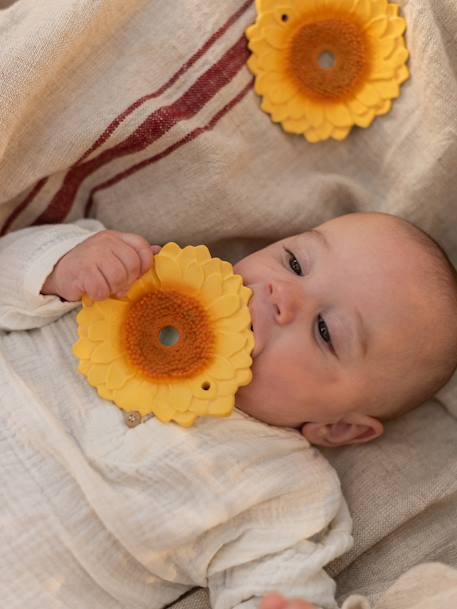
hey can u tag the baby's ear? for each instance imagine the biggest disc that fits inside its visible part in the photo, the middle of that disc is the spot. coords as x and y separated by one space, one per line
354 428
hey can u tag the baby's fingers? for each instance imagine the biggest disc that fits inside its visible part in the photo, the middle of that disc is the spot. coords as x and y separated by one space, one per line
95 285
142 249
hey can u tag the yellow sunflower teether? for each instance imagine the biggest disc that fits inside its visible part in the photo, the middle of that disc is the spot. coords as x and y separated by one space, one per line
177 346
323 66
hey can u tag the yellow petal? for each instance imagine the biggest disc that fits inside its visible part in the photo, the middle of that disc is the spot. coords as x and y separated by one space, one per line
279 89
225 388
272 61
387 89
83 348
402 74
167 269
199 407
278 111
226 269
295 126
193 276
223 406
118 374
150 280
97 374
364 120
399 57
136 394
241 360
240 321
276 37
384 47
138 288
385 108
243 376
362 8
392 10
295 108
226 305
324 131
338 115
104 392
99 330
395 27
112 308
105 353
212 267
230 342
314 114
369 96
202 253
232 284
376 27
88 315
185 419
212 287
312 135
171 250
84 365
182 395
356 107
221 369
340 133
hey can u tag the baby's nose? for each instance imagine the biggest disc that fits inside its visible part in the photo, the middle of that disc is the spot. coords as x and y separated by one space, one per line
285 300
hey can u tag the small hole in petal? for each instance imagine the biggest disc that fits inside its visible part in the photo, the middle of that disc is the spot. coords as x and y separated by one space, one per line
327 60
169 336
206 386
285 18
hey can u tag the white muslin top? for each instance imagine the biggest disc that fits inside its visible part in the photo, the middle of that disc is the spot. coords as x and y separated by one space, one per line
94 515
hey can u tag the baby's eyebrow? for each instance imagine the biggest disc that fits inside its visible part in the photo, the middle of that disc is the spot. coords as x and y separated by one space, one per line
320 237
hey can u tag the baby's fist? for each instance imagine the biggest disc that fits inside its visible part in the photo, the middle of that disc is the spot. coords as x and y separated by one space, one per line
105 264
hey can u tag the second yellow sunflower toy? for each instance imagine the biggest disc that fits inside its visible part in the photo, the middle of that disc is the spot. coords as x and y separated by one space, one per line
323 66
178 346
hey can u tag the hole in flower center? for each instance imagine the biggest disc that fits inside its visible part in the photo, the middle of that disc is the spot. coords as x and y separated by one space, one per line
206 386
327 60
169 336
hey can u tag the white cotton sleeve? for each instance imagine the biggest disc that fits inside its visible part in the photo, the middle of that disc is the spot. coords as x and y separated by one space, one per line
295 572
27 257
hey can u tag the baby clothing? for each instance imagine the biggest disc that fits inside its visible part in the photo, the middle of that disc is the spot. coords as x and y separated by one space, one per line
96 514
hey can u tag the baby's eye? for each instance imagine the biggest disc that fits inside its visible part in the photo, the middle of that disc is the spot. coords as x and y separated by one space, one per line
323 330
294 264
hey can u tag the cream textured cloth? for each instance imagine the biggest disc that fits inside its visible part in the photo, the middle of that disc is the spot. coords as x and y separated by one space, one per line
98 515
141 113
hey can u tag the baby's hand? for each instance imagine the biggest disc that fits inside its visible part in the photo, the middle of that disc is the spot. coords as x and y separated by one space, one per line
276 601
103 265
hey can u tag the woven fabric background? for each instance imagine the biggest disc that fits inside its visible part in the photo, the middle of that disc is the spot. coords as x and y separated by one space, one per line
142 114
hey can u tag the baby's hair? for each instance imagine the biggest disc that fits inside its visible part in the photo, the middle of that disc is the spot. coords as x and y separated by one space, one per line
443 275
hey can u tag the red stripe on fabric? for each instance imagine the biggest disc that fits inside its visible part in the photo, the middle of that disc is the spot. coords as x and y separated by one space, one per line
155 126
20 208
182 70
119 119
157 157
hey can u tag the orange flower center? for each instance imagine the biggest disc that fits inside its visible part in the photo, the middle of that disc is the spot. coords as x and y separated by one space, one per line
149 318
329 59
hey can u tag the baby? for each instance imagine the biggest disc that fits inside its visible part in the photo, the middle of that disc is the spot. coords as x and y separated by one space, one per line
353 324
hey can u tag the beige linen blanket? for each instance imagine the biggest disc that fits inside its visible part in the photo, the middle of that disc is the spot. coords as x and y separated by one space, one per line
142 114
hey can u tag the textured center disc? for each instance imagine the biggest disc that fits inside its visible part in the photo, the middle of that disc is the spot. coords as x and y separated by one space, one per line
342 40
143 336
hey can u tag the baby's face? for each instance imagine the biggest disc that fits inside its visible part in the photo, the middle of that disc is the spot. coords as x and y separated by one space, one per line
337 313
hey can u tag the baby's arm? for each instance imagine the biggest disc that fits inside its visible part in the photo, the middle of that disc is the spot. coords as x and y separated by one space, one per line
105 264
32 256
